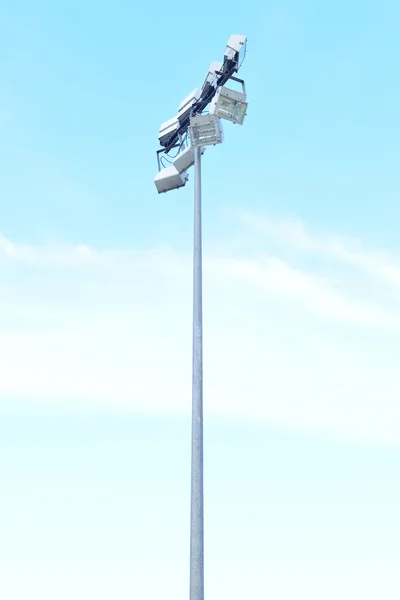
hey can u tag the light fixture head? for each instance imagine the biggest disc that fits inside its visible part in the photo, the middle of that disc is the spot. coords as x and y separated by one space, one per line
185 159
237 42
212 77
167 130
236 49
205 130
229 104
186 104
170 179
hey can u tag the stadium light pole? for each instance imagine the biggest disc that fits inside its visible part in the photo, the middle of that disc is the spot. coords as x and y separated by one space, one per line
197 461
204 129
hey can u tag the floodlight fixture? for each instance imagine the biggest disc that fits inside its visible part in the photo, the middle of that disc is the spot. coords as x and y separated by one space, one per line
219 73
212 77
229 104
186 105
167 130
170 179
205 130
236 49
185 159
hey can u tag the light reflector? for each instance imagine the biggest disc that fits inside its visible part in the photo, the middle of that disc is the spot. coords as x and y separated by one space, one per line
169 179
229 104
205 130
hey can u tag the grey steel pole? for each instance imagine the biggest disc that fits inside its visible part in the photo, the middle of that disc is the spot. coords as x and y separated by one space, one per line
197 495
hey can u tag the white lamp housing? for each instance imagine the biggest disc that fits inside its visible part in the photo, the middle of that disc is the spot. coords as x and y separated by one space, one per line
167 129
185 159
229 104
169 179
186 104
236 48
212 75
205 130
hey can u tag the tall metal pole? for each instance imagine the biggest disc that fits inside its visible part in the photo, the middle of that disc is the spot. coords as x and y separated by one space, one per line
197 495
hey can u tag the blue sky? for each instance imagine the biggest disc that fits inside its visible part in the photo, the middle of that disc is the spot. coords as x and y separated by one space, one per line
301 304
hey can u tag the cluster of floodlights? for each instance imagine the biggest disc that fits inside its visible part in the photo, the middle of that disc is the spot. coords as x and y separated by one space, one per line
192 127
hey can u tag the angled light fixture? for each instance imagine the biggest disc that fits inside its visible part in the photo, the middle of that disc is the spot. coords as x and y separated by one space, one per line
185 159
168 129
236 49
229 104
170 179
205 130
186 104
211 79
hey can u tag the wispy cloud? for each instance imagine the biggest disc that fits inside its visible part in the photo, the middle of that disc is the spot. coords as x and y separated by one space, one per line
112 328
293 232
273 275
50 254
269 274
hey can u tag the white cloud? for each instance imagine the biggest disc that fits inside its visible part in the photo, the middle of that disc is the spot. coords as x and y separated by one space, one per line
58 254
276 276
294 233
112 329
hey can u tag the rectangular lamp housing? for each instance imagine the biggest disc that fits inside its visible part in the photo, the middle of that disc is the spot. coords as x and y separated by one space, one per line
186 104
185 159
212 76
170 179
167 129
229 104
236 49
205 130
